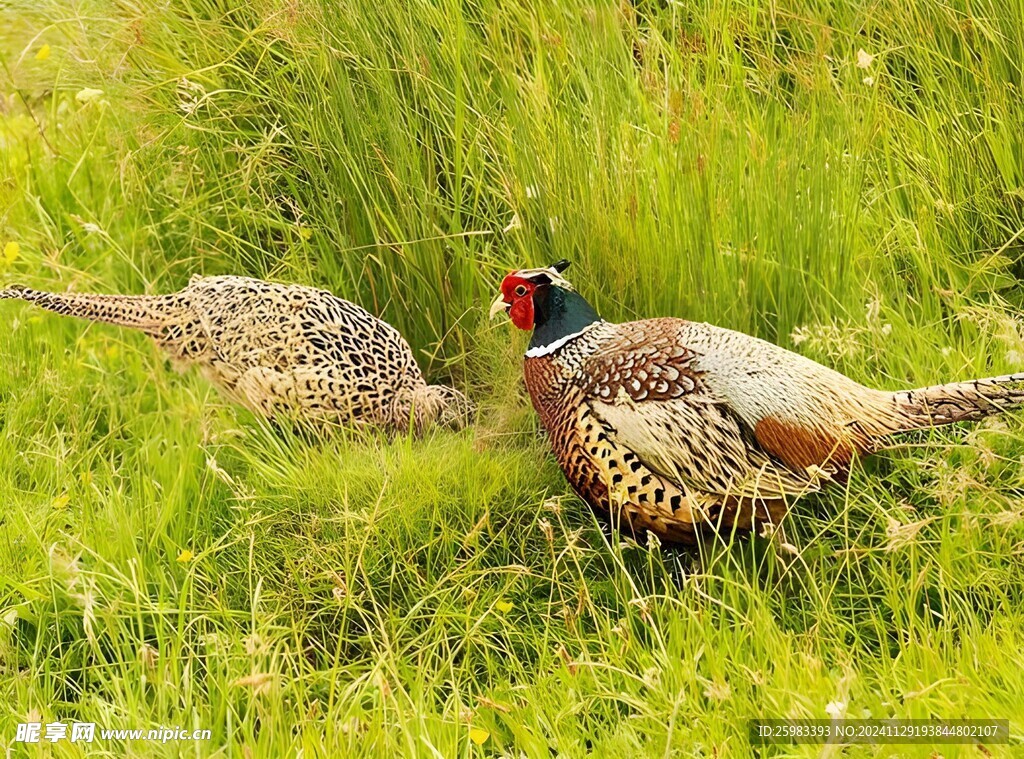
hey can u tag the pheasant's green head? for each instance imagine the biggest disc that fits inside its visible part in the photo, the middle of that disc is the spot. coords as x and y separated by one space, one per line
542 300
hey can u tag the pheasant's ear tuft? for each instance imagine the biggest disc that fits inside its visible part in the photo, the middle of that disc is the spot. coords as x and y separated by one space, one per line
547 275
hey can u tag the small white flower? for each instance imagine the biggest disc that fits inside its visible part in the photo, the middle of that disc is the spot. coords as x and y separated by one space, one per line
869 81
864 59
835 709
886 328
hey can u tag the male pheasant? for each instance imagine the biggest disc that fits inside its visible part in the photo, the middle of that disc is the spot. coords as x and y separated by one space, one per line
682 428
284 351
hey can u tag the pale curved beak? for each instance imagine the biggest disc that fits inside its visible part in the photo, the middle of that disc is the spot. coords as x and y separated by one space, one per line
498 306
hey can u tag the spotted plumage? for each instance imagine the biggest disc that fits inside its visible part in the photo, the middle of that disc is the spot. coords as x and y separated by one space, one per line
681 428
284 351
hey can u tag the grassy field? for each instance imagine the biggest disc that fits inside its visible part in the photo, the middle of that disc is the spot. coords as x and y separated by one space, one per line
845 179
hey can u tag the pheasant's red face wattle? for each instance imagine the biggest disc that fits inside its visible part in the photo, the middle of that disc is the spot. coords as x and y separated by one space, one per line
517 294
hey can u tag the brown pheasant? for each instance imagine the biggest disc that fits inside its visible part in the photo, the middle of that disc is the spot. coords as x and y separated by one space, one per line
682 428
284 351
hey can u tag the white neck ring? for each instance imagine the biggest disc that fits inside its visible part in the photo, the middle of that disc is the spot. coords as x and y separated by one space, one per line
545 350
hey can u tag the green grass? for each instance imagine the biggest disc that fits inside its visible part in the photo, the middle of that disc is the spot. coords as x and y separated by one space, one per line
167 560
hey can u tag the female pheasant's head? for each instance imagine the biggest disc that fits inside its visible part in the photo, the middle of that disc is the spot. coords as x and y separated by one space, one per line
544 301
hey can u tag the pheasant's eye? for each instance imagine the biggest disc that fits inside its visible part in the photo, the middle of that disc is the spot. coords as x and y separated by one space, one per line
521 290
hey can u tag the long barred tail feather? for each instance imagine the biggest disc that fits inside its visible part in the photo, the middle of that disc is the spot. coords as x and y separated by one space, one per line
148 313
959 401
